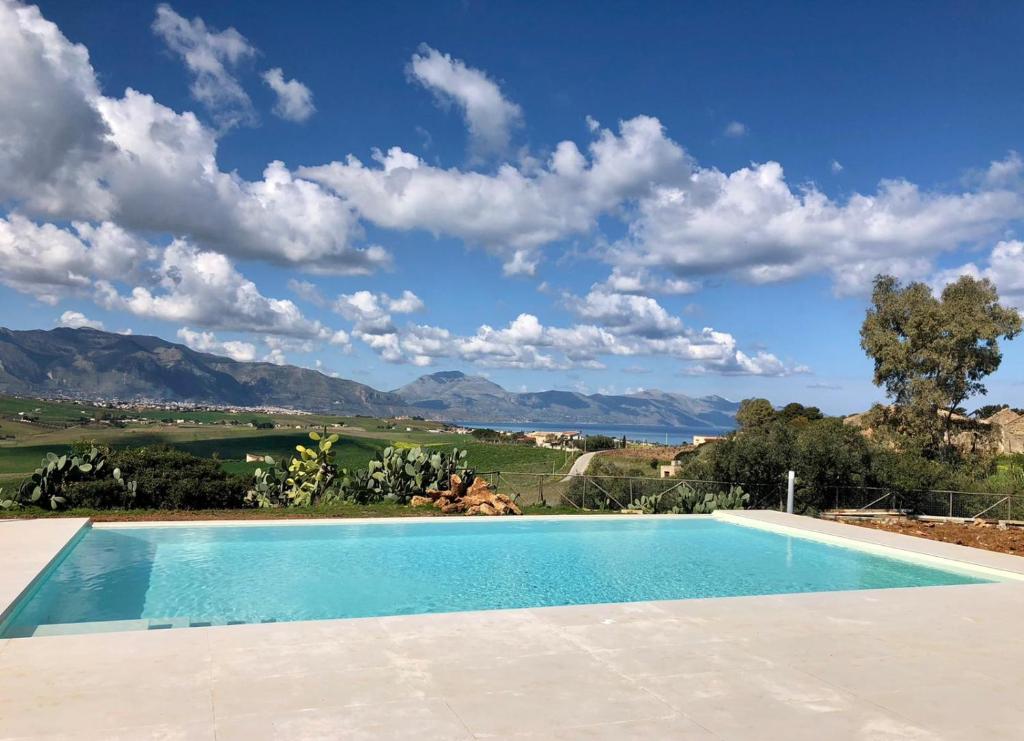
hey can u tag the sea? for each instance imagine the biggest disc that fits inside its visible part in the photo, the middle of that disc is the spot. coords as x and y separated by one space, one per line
634 433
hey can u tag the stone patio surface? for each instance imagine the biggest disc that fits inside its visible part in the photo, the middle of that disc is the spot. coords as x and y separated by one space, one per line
923 663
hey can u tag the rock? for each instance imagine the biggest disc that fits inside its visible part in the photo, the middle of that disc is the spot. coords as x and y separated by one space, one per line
470 499
479 486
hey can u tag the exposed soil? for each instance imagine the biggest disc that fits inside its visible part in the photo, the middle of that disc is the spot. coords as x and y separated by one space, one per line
989 537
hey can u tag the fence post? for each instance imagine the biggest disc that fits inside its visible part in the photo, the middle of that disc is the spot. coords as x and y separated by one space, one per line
789 492
540 487
950 504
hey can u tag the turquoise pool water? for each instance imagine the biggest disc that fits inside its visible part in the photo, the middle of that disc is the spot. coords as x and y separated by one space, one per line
182 576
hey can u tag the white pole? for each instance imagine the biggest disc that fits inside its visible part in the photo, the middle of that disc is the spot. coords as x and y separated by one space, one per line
789 492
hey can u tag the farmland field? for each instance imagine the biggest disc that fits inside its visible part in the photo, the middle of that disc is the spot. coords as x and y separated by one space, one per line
228 437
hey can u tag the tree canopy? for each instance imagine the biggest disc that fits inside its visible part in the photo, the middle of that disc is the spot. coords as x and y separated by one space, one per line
932 353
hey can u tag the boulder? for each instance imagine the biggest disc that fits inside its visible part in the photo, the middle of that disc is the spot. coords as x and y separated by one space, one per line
470 499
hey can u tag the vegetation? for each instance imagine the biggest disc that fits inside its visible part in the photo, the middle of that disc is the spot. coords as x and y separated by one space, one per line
312 477
157 477
932 354
608 487
592 443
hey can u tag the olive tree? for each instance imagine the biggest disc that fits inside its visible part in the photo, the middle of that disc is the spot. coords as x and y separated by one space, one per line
932 353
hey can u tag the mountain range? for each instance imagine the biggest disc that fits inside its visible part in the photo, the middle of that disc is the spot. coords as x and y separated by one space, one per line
91 364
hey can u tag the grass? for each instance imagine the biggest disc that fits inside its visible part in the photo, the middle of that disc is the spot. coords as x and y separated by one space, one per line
228 437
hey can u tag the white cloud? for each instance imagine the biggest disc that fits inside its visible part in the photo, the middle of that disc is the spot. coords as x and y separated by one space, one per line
342 339
294 100
1005 268
207 342
277 346
52 138
752 225
511 212
371 312
207 54
77 320
626 313
836 167
489 115
68 152
642 281
623 325
522 262
735 130
203 288
48 262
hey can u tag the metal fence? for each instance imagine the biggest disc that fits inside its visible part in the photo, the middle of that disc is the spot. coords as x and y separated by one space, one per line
609 492
935 503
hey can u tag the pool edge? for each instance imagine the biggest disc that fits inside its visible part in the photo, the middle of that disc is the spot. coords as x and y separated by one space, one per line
11 604
945 556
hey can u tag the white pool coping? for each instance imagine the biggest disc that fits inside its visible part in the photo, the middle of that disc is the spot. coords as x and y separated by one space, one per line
27 549
934 553
920 663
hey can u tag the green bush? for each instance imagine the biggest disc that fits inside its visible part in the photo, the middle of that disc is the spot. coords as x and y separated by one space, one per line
165 478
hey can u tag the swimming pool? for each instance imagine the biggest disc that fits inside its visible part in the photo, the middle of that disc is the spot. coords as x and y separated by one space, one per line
123 578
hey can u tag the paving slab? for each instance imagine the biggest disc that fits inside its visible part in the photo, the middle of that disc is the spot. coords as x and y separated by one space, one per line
921 663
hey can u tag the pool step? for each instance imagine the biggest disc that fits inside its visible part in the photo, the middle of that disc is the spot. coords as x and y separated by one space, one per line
111 626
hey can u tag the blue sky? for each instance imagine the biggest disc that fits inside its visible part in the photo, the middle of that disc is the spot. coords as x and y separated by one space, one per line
686 197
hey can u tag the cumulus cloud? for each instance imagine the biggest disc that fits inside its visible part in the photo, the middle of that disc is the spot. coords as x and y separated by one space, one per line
52 138
753 225
203 288
626 313
48 262
208 54
1004 267
642 281
512 211
69 152
77 320
617 325
836 167
294 100
208 342
371 312
489 116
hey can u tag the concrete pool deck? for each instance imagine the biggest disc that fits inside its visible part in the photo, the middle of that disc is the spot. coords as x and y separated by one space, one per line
918 663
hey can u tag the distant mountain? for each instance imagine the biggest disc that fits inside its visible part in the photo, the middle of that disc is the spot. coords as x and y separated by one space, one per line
87 363
90 364
453 395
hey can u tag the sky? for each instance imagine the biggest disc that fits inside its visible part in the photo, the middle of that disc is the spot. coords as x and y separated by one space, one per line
692 197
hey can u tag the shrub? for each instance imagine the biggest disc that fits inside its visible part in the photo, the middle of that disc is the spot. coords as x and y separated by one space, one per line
165 478
395 474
